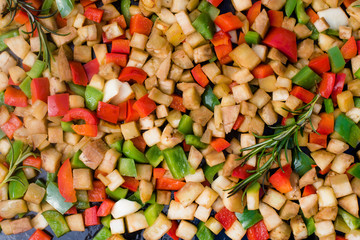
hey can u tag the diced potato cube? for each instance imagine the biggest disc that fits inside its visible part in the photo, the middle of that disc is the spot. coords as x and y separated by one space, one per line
309 205
112 30
39 222
34 193
82 179
18 46
163 197
298 227
336 146
50 160
345 101
138 40
130 130
322 158
274 198
186 230
242 92
214 225
341 185
202 213
17 74
76 101
20 225
324 228
178 211
55 135
146 189
187 194
236 231
268 83
136 221
191 99
345 32
342 162
161 226
271 218
117 226
289 210
244 56
75 222
115 180
321 25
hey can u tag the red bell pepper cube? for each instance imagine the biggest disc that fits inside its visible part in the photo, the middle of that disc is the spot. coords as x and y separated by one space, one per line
58 105
117 58
172 230
15 97
29 29
219 144
158 172
120 46
39 235
105 208
228 22
140 24
139 143
186 147
258 232
349 49
318 139
308 190
25 67
130 183
177 103
78 73
169 184
60 22
320 64
222 52
91 218
312 14
262 71
302 94
242 171
91 68
33 162
241 39
65 182
13 124
120 20
225 217
326 124
133 73
220 38
71 211
85 129
85 3
97 194
338 87
324 171
108 112
94 14
80 113
122 111
327 84
21 17
276 18
40 89
215 2
347 3
144 106
283 40
253 12
281 180
240 119
11 82
199 76
132 114
340 237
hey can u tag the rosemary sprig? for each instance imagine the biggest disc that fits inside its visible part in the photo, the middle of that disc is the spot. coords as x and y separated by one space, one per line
279 140
16 5
15 164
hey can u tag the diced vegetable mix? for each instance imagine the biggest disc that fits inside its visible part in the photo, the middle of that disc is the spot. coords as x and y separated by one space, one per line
247 120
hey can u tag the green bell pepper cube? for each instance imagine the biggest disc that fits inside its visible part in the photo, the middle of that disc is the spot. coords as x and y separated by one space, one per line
103 234
56 222
46 6
125 10
350 220
357 73
78 89
118 145
340 225
66 127
65 7
302 162
195 141
154 17
25 86
315 33
332 32
40 183
355 170
208 8
252 37
2 134
127 167
203 233
55 199
82 200
210 172
177 162
20 215
130 151
213 59
76 162
310 225
209 99
154 155
152 212
92 97
14 153
252 194
348 130
37 69
249 217
300 12
357 102
17 189
50 177
290 6
306 78
204 25
337 61
7 34
329 105
185 125
117 194
106 221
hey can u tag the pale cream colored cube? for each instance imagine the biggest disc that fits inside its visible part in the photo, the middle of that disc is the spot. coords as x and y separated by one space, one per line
34 193
236 231
75 222
321 25
130 130
345 32
186 230
136 221
242 92
117 226
55 135
214 225
82 179
202 213
115 180
341 185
